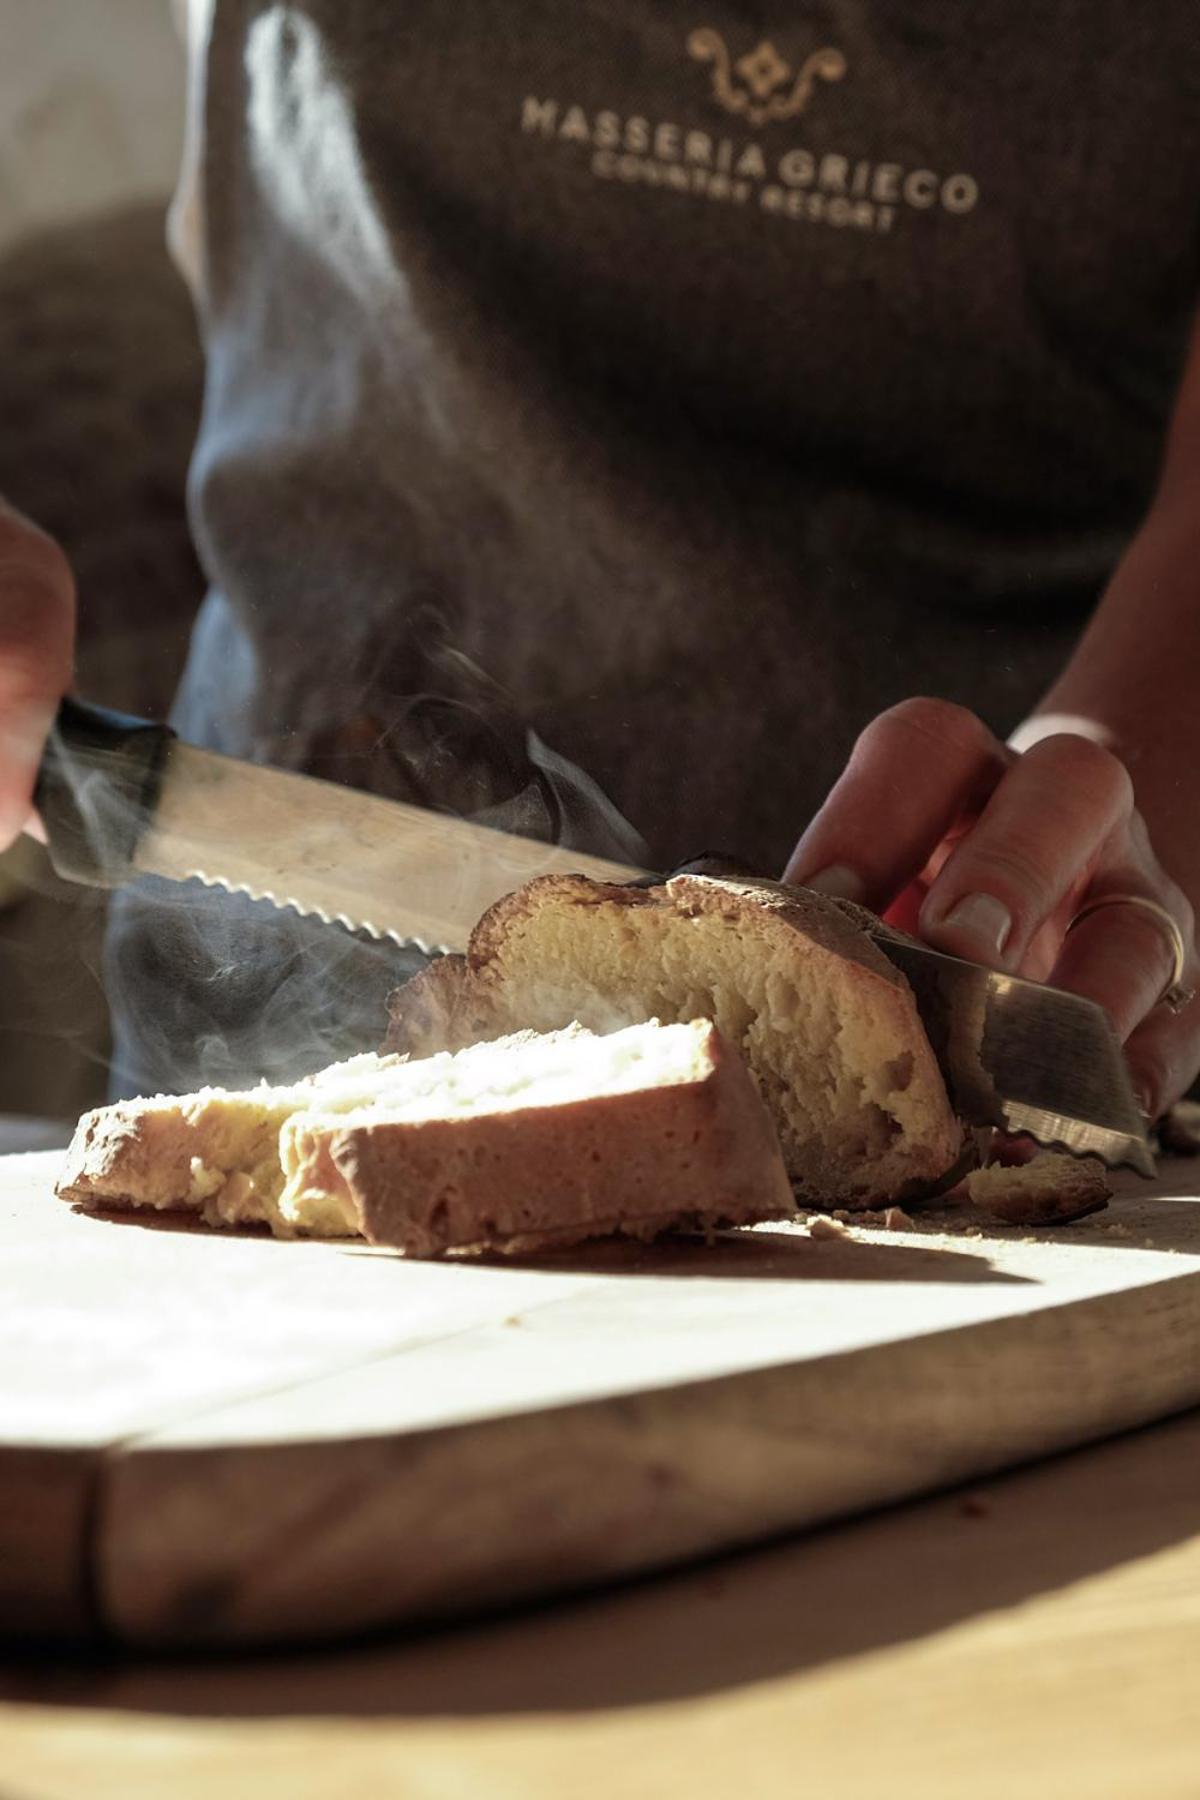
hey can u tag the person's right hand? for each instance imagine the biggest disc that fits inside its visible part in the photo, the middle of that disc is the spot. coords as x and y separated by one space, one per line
37 635
1004 858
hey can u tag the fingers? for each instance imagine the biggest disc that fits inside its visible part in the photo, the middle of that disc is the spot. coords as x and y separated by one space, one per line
37 614
915 770
1164 1056
1122 956
989 856
1035 844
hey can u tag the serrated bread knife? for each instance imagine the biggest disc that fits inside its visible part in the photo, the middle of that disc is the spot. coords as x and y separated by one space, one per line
120 797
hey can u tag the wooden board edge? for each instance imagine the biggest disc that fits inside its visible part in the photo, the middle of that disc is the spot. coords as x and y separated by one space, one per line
47 1514
294 1542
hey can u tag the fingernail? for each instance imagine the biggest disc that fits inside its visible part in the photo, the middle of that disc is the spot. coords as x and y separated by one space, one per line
982 917
839 882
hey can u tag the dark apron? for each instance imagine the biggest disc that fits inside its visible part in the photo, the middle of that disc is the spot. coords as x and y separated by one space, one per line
612 406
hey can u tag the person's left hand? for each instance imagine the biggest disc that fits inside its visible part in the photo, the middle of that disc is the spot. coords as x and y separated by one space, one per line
948 833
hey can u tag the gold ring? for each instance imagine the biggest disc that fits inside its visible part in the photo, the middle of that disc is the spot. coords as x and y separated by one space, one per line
1175 996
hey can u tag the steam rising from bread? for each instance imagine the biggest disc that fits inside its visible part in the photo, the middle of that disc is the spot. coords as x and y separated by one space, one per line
224 991
214 989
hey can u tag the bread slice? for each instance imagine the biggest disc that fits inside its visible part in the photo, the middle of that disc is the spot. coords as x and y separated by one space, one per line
827 1024
523 1141
533 1141
215 1153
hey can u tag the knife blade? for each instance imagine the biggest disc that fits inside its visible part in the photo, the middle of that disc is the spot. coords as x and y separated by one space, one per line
1025 1057
120 797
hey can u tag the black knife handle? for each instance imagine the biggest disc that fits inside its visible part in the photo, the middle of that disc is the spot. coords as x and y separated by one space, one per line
96 790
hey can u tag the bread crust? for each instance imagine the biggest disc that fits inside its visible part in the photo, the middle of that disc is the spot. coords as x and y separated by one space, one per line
452 1002
699 1154
130 1155
437 1010
837 926
193 1152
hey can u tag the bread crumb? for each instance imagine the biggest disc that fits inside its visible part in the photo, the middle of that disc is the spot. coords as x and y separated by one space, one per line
514 1319
889 1218
1051 1189
825 1229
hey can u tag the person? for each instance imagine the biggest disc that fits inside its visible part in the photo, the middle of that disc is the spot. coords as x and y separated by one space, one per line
671 431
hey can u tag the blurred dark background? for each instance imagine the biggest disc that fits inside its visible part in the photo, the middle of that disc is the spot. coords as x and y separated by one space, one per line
100 388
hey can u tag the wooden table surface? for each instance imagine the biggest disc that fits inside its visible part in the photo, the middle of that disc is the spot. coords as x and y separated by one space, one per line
1039 1635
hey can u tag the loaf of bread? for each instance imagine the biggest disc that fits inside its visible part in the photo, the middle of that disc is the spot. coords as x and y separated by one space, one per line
525 1141
543 1140
827 1025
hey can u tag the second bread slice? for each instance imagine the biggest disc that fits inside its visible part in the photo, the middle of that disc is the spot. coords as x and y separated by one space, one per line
544 1140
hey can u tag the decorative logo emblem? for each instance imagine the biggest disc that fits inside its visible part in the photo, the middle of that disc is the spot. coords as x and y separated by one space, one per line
762 84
